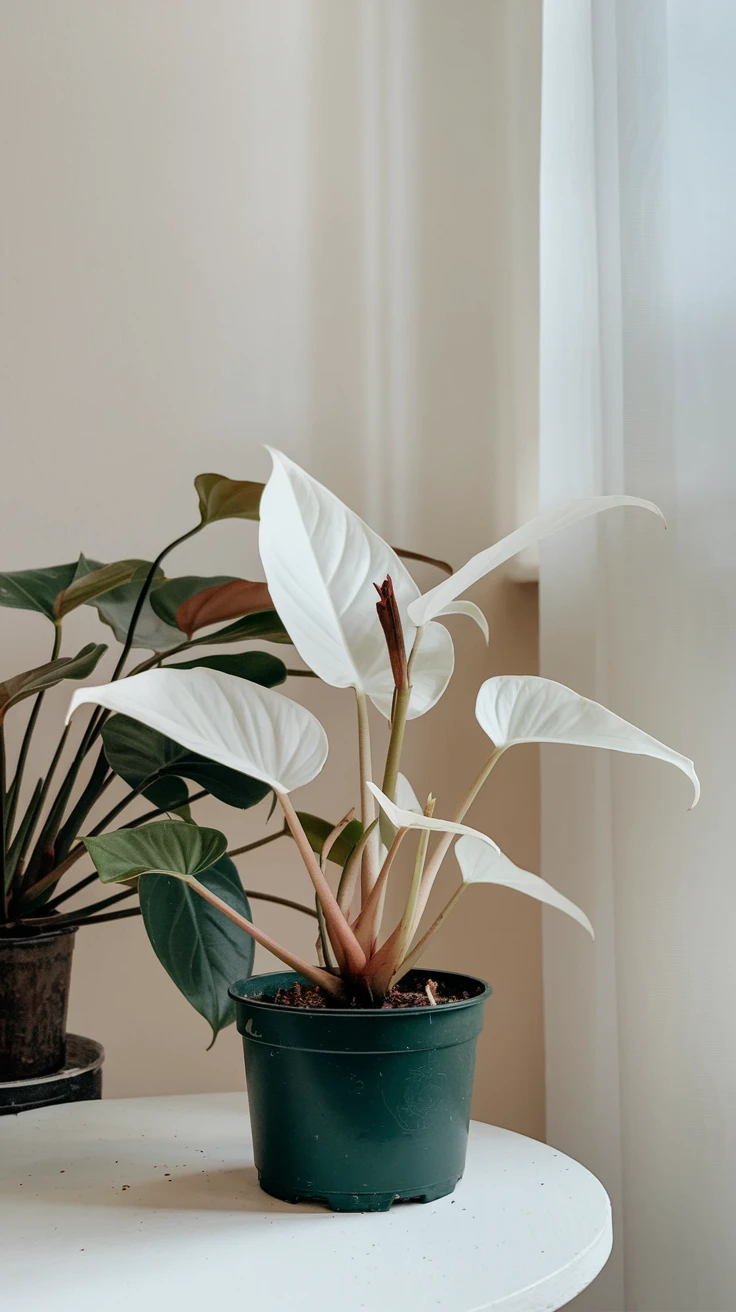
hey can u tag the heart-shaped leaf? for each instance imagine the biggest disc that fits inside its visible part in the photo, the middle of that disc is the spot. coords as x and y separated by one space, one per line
227 498
321 562
169 594
432 603
523 708
433 664
164 846
36 589
85 588
47 676
184 813
200 948
265 624
169 793
480 864
253 730
227 601
115 608
317 830
258 666
404 819
139 754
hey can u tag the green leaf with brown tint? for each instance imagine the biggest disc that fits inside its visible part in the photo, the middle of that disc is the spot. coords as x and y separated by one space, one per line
168 595
98 581
14 690
227 498
264 624
115 608
228 601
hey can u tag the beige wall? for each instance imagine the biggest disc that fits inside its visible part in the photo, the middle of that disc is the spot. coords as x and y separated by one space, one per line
233 223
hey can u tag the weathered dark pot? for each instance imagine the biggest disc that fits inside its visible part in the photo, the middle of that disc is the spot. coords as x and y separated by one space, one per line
358 1108
79 1080
35 971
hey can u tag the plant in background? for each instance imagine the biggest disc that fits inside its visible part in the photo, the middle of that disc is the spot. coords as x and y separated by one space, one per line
359 622
40 851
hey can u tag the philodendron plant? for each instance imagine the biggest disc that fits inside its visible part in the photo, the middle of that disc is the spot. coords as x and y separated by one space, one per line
360 623
198 623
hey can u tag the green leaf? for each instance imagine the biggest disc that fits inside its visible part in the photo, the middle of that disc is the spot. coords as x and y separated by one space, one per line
168 794
317 830
184 813
164 846
47 676
98 581
257 666
201 950
115 608
227 498
264 624
139 754
35 589
169 594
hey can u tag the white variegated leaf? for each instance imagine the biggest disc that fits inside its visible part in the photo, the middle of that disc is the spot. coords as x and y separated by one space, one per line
432 603
232 721
480 864
410 819
321 562
523 708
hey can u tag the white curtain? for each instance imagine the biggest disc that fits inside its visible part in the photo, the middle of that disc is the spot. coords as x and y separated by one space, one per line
638 393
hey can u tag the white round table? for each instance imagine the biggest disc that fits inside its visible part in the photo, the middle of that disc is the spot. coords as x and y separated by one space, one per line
149 1203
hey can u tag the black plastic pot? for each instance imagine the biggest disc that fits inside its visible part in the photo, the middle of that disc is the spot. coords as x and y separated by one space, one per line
357 1109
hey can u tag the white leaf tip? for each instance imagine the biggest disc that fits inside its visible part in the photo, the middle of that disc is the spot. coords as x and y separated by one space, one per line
78 699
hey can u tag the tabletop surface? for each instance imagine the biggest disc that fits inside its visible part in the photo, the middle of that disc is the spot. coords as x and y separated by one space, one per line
144 1203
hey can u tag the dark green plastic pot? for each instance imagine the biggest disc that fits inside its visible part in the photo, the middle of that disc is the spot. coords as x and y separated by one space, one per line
356 1109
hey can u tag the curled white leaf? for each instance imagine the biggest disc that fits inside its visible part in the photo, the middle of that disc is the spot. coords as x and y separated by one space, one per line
239 724
470 609
524 708
410 819
480 864
432 603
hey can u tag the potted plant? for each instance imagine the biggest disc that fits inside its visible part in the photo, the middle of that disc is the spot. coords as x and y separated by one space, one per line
359 1067
40 912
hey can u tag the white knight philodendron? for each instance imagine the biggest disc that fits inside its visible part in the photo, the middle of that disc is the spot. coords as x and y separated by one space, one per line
359 621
